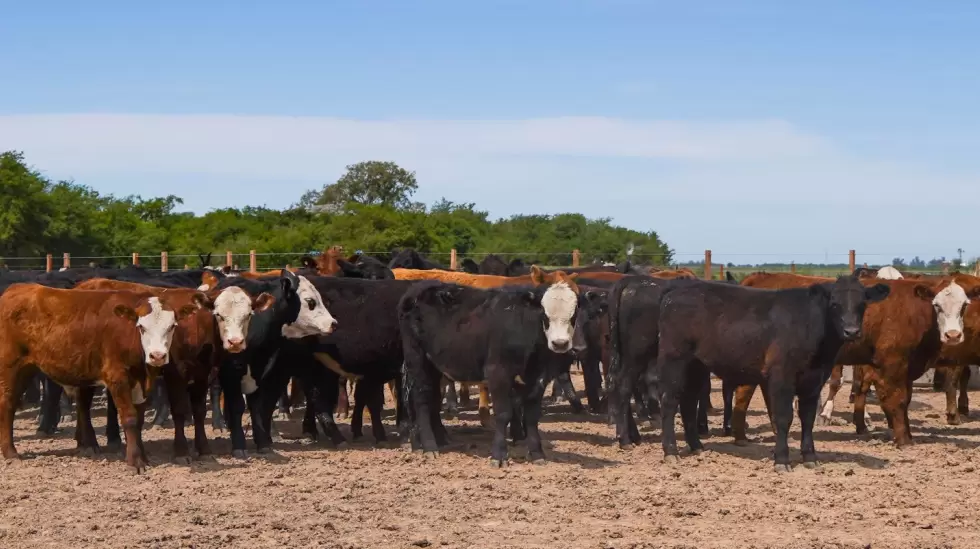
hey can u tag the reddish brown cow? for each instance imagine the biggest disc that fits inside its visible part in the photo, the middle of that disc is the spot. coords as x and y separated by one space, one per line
901 338
84 337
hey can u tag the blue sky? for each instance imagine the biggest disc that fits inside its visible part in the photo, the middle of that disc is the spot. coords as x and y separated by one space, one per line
762 130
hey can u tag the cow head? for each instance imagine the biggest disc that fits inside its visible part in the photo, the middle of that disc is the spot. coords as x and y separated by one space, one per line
233 310
156 325
313 318
848 299
949 303
592 304
560 303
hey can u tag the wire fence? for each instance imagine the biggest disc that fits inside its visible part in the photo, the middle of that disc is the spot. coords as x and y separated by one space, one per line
706 263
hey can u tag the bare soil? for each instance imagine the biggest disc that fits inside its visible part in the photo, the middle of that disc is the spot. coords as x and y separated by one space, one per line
590 494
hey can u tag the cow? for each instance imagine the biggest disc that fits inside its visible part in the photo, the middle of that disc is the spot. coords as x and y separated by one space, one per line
297 311
497 336
785 339
411 259
902 336
84 337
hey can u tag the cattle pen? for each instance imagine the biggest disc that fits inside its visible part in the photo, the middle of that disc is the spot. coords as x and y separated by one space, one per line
359 492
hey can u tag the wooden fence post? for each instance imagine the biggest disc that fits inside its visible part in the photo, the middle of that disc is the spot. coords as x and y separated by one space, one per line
164 260
186 266
452 259
66 261
48 263
721 272
136 259
575 257
707 264
851 260
252 268
228 258
792 267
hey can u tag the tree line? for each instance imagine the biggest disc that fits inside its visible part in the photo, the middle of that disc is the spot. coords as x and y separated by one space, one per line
369 208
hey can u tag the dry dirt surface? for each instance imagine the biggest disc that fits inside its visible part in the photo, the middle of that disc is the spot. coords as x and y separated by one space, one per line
590 494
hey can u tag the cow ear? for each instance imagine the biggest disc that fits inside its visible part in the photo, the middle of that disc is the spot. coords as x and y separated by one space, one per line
208 281
820 289
445 296
877 293
573 276
973 292
537 277
203 301
125 311
263 302
924 292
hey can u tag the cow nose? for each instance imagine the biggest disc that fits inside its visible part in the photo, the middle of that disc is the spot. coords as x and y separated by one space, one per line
157 356
852 333
559 345
235 343
954 336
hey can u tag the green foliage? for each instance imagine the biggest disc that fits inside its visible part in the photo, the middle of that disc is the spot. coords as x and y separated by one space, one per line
370 209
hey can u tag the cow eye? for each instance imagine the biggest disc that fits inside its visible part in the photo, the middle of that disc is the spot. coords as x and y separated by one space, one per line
217 316
141 328
311 303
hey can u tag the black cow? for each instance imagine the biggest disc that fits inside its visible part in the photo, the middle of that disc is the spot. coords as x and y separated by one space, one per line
469 266
411 259
366 345
787 339
367 267
471 335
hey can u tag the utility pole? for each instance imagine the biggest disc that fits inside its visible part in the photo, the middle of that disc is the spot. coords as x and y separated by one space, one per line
960 251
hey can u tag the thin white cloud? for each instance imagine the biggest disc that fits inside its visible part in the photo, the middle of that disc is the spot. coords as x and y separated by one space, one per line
295 147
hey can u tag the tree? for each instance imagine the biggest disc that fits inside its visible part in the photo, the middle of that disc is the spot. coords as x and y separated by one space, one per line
25 207
369 183
898 262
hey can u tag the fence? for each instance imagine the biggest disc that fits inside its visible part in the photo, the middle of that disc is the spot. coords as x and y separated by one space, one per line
256 261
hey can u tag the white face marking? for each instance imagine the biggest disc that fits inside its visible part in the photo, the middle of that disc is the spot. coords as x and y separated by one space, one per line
233 311
157 333
315 320
559 303
889 273
950 304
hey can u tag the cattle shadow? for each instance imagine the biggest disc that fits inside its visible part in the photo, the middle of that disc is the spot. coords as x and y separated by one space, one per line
764 452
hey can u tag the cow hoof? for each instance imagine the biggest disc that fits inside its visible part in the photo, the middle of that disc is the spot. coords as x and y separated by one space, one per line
182 460
671 459
539 461
823 420
265 450
87 452
139 468
741 442
342 445
113 447
697 452
626 447
239 454
430 455
498 463
811 464
952 419
780 468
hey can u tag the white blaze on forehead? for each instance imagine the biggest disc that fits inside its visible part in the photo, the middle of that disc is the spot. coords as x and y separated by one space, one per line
559 303
950 304
157 329
889 273
233 310
315 321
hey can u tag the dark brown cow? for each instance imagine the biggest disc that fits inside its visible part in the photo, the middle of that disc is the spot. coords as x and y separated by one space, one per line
902 336
81 338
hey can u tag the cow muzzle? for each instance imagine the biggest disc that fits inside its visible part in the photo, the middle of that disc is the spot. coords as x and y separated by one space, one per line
156 359
234 345
559 345
952 337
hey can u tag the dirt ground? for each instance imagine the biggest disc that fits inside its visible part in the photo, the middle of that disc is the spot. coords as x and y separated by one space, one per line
590 494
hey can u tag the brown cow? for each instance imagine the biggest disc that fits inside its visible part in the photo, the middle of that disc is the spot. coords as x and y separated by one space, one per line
902 336
83 337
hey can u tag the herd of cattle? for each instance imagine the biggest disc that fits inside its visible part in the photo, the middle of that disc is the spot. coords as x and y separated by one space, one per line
647 341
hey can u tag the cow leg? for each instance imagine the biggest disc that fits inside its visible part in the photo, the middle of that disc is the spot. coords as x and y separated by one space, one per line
260 431
321 392
309 419
807 413
112 433
361 390
894 402
85 438
951 383
484 410
217 419
743 397
129 403
689 405
452 402
827 410
529 417
161 401
963 405
564 384
51 394
593 380
620 389
343 402
174 387
865 377
231 387
197 392
464 395
499 386
939 378
856 382
781 395
376 405
727 395
672 376
704 405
